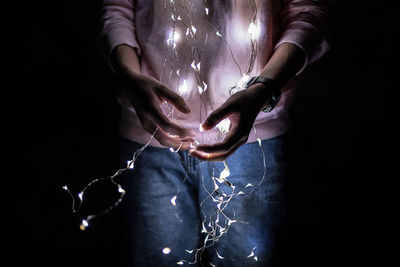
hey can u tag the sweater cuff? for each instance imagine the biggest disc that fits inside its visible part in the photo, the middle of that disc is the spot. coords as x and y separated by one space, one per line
121 36
117 37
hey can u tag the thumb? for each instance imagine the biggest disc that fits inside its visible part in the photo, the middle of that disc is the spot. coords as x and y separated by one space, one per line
216 116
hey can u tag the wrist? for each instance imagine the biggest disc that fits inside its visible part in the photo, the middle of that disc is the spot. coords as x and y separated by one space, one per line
266 90
125 60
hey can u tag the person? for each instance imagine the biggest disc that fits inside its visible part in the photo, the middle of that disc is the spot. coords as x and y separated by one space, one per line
177 62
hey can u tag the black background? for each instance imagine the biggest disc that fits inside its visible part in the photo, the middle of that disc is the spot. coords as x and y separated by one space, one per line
66 132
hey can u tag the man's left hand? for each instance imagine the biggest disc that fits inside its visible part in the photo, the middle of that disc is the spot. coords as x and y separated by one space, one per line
242 109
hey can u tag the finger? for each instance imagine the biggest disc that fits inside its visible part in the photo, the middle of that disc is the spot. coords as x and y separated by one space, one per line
168 126
231 141
186 145
218 156
175 99
217 115
160 135
220 151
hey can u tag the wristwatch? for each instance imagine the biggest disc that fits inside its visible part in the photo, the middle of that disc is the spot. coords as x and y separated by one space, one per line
275 91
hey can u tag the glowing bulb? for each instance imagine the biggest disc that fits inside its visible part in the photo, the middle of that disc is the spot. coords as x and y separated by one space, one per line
254 31
173 37
173 200
183 88
224 174
207 10
204 230
205 86
193 65
248 185
80 195
219 256
166 250
194 30
252 28
259 141
200 89
180 263
243 81
218 34
84 225
130 164
65 188
231 221
215 186
176 36
224 126
122 191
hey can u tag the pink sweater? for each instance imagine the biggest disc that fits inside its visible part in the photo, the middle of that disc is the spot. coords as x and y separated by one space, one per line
201 48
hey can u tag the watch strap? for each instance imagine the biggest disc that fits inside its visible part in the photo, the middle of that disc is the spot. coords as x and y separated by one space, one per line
275 90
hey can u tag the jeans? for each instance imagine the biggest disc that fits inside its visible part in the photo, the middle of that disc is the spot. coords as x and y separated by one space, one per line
170 199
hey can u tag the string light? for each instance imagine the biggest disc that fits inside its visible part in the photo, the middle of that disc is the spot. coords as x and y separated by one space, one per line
166 250
214 226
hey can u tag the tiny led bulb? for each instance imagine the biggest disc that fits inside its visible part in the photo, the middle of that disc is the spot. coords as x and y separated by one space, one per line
166 250
120 190
84 225
173 200
130 164
194 29
224 125
259 141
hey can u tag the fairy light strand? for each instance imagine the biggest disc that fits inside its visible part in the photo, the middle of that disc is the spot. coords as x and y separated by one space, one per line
214 226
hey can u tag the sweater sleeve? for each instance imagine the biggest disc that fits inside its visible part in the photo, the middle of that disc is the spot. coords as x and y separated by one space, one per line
118 25
306 23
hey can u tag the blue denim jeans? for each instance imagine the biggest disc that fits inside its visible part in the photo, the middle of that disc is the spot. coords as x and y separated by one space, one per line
154 219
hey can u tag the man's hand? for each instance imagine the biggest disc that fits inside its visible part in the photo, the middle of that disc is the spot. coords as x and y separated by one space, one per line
146 95
242 109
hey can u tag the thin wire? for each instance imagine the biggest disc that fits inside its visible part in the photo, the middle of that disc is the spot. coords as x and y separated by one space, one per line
219 226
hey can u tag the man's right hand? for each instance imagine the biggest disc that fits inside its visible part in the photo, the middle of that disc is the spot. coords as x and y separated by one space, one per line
146 95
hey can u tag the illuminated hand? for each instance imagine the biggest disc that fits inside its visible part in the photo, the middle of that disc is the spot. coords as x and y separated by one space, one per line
146 95
242 109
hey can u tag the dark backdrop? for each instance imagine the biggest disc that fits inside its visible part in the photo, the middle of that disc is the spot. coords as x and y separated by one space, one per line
68 132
